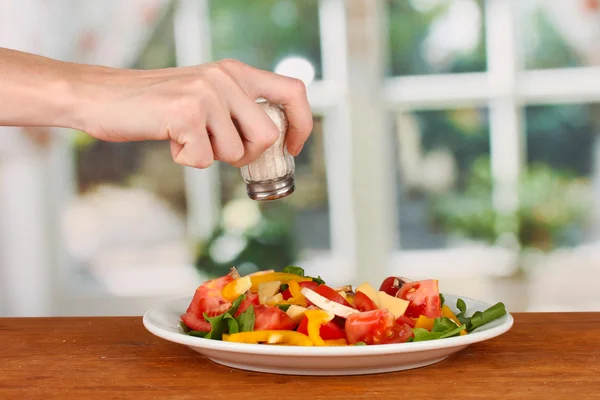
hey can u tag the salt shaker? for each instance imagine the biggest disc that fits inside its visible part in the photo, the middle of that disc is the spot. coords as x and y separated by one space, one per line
272 175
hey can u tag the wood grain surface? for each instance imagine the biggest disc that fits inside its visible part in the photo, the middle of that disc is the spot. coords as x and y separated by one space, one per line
544 356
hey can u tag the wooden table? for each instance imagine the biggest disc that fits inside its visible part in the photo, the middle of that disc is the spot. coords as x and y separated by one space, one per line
544 356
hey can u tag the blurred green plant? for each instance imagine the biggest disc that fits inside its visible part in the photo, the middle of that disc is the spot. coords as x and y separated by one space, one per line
551 204
261 33
250 236
409 28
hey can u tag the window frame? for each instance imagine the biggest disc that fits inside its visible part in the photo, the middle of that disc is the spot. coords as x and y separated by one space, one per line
356 255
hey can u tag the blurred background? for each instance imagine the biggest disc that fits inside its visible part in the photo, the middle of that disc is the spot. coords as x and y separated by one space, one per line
453 139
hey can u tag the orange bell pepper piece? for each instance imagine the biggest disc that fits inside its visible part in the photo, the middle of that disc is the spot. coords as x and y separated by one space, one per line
424 322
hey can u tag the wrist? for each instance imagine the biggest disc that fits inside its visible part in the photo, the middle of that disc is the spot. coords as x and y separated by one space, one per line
79 93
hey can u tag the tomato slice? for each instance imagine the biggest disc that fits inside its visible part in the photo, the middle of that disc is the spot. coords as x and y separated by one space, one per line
403 319
207 299
331 294
329 331
364 302
271 318
375 327
390 285
194 322
312 285
424 297
250 299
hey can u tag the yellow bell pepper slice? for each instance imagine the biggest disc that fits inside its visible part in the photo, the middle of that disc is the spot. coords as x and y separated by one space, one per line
350 300
447 312
424 322
270 336
283 277
336 342
296 292
236 288
316 318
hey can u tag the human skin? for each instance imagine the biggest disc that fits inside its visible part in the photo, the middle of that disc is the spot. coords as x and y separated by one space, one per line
207 112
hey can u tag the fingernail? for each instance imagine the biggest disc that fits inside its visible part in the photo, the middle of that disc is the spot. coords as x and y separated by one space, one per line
298 150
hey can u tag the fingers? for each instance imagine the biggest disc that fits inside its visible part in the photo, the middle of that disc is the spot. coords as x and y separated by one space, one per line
234 128
257 129
289 92
192 148
227 145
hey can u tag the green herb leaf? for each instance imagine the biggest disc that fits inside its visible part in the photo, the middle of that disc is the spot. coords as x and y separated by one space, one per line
246 320
442 324
198 333
293 270
283 288
185 328
422 335
236 304
319 280
452 332
189 331
462 306
222 323
442 300
443 327
463 320
284 307
232 324
481 318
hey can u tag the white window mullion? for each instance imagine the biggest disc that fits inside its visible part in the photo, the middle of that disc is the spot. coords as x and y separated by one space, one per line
372 150
193 46
328 98
440 91
506 124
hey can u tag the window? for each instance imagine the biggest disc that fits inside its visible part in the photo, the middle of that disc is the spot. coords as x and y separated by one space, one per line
430 154
125 231
444 190
419 39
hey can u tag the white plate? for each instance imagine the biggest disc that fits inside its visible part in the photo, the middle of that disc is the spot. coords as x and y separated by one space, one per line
163 321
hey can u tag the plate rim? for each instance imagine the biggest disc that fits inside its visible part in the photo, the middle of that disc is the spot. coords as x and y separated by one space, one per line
327 351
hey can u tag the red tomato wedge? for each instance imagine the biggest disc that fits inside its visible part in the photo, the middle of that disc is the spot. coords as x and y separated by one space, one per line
362 302
194 322
375 327
312 285
424 297
331 294
403 319
271 318
390 285
207 299
250 299
329 331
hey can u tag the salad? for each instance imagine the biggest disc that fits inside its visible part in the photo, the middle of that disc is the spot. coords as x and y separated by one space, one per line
290 308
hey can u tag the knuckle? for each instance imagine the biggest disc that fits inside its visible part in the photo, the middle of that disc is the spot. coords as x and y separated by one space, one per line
297 87
203 162
229 64
233 154
216 72
186 108
238 153
267 139
204 91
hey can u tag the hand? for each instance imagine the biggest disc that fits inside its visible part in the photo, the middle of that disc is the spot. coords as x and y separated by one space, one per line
196 108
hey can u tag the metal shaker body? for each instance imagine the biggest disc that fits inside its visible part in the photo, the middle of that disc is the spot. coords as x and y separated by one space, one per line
272 175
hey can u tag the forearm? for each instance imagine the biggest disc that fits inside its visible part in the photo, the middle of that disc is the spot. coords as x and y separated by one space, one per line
36 91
